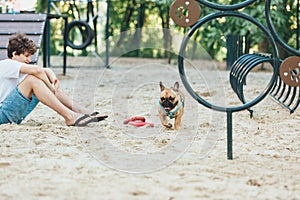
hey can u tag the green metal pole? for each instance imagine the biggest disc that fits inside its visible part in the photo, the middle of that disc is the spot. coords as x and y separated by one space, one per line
229 135
47 42
107 35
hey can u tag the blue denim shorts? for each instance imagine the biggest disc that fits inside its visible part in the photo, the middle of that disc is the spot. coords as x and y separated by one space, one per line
16 107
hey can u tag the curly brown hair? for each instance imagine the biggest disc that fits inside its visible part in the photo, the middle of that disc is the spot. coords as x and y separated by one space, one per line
20 44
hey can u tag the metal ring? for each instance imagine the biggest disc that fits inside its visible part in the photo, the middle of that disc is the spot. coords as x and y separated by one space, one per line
274 32
86 32
226 7
182 54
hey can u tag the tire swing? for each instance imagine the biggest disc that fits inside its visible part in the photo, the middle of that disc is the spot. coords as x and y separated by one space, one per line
85 31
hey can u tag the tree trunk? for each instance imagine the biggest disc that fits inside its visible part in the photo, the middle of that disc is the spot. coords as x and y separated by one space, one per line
126 20
136 41
164 13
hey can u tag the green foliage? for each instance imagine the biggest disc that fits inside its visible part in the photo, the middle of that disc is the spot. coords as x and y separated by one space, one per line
128 15
41 6
212 36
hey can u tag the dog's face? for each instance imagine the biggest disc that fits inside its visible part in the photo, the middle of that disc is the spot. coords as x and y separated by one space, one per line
169 97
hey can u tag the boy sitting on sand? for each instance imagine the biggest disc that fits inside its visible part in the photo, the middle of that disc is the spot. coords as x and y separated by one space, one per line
23 85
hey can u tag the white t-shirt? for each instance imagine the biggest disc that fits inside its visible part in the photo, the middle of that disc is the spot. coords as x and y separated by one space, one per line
10 77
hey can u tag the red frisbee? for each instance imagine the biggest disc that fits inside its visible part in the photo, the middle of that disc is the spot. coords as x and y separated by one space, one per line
136 118
140 123
137 121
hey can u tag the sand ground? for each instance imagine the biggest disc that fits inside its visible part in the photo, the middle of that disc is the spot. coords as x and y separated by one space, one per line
44 159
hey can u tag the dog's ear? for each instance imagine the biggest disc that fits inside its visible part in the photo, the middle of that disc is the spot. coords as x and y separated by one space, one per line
162 87
176 86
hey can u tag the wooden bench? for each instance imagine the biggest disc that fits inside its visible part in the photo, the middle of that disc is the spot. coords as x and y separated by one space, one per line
31 24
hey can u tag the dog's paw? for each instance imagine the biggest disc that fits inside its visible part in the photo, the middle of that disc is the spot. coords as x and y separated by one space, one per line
169 125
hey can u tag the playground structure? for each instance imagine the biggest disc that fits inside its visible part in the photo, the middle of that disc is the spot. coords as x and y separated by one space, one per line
284 85
83 27
37 27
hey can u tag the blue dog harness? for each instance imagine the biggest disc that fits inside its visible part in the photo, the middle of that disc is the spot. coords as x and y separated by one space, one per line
171 114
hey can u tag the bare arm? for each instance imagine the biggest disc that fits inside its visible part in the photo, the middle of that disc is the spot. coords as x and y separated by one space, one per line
38 72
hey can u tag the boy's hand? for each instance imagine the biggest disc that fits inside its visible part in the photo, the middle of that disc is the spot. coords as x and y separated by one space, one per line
55 85
51 75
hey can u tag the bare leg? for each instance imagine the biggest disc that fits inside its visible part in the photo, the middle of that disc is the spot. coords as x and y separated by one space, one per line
32 85
68 102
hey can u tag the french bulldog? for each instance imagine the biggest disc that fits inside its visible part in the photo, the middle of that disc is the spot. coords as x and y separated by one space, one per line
171 105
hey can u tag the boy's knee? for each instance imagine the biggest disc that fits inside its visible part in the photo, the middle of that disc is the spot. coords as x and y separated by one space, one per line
32 79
